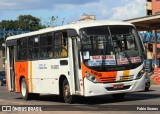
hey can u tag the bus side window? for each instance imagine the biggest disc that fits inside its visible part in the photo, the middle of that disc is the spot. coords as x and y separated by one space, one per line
46 46
57 44
60 45
22 49
33 47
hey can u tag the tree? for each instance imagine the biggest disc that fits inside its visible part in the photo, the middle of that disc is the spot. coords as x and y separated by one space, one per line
7 24
29 23
24 22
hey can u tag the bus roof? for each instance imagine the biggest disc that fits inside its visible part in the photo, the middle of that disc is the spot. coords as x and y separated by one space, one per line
75 25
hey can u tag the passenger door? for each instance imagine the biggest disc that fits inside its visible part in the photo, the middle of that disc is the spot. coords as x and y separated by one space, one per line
11 71
76 65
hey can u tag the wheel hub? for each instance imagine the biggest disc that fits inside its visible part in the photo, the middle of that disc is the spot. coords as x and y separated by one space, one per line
66 91
23 89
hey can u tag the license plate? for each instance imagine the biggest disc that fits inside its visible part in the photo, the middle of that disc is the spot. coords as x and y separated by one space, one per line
118 86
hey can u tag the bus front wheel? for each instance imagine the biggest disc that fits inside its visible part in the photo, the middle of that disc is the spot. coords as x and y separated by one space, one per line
24 89
68 98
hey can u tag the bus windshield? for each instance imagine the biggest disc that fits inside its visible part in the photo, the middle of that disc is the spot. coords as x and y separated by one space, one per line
109 46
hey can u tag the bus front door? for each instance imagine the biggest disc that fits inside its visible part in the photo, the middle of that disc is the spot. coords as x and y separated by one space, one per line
11 77
76 65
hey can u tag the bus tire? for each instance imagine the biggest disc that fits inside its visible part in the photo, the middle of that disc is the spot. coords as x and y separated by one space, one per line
68 98
146 88
24 90
119 96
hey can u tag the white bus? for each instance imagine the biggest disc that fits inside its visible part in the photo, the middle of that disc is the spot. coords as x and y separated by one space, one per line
85 58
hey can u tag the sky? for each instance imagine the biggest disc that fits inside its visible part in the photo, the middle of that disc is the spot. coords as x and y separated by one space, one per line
72 10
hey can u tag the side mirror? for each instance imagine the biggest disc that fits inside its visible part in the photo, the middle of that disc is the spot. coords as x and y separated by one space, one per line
72 33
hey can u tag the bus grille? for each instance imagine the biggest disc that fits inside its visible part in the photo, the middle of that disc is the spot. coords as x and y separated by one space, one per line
107 79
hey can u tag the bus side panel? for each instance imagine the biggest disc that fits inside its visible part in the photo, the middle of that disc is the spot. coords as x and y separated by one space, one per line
21 70
44 75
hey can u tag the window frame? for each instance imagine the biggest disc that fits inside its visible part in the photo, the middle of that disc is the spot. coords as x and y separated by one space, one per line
46 46
33 48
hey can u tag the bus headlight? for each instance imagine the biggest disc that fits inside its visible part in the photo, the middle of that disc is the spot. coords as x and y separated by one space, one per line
91 77
140 74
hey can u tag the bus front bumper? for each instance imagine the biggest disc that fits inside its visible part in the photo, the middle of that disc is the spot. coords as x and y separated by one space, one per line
95 89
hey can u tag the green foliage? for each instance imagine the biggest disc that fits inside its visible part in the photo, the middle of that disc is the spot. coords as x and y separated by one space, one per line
24 22
30 23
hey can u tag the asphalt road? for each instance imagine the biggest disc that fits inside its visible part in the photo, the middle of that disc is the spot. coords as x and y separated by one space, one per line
139 101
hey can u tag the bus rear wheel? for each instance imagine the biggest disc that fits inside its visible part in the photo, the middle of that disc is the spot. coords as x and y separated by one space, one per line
68 98
24 89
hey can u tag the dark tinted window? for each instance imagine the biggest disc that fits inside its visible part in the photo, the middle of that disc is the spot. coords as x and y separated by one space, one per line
46 45
33 47
22 49
2 73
